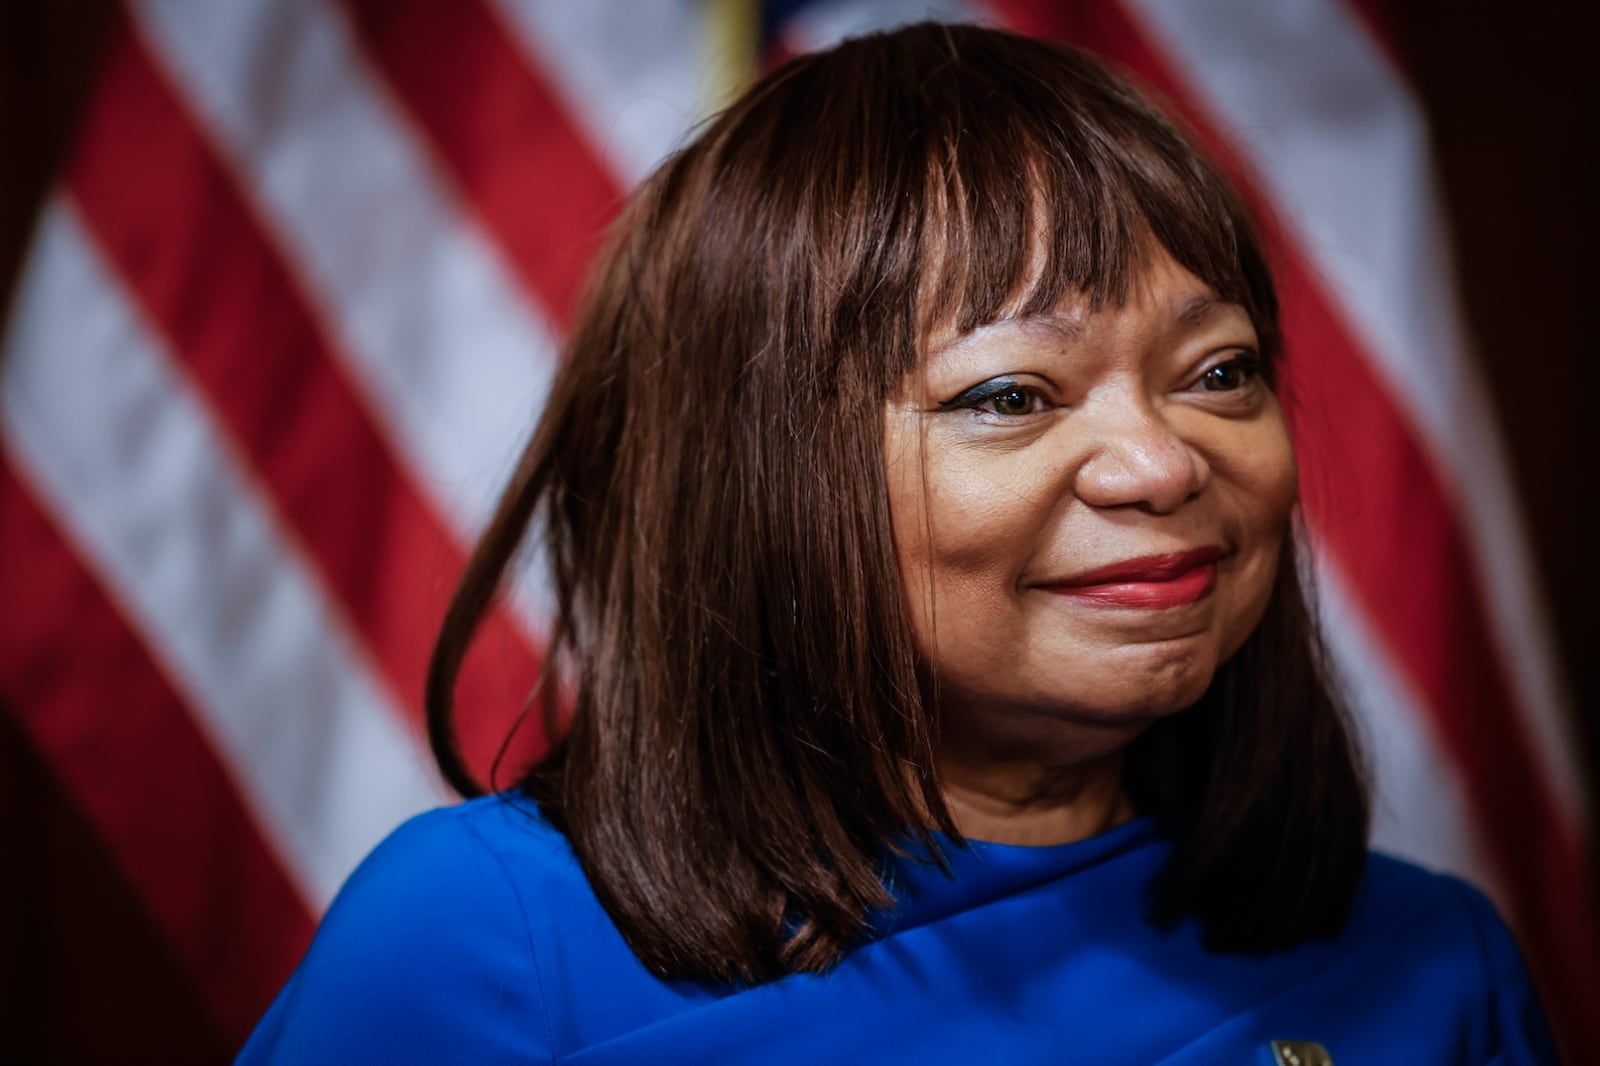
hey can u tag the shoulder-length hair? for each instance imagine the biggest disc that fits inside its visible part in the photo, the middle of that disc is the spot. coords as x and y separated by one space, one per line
749 738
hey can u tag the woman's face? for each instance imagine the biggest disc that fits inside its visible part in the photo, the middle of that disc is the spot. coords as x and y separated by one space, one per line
1088 510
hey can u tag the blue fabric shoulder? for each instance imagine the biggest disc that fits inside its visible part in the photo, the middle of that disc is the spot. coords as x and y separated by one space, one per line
426 955
472 936
1456 947
1519 1018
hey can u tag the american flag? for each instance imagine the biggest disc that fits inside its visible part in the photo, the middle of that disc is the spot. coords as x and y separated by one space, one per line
302 283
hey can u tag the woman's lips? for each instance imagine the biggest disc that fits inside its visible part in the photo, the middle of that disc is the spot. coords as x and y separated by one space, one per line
1153 582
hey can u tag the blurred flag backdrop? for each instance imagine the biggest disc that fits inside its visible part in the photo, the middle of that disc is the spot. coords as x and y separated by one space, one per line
298 294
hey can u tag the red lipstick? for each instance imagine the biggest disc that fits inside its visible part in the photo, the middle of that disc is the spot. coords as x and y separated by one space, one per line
1154 582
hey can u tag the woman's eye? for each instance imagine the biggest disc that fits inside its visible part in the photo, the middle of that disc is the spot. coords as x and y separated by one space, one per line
1011 402
1005 398
1231 376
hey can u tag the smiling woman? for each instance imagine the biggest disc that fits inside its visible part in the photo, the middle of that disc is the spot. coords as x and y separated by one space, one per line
1090 507
918 507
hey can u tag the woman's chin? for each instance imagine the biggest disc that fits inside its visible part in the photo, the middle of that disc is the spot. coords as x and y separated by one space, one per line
1139 683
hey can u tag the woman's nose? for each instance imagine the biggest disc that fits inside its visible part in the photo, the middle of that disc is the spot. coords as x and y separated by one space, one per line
1138 460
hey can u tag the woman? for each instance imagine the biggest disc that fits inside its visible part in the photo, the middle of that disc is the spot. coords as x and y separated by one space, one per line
917 503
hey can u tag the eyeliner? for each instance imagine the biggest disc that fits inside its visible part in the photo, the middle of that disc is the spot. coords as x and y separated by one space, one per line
979 392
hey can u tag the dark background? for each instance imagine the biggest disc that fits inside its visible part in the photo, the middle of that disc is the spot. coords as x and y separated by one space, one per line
1507 91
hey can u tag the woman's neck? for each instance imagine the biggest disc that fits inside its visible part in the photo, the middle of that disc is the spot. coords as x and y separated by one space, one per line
1033 803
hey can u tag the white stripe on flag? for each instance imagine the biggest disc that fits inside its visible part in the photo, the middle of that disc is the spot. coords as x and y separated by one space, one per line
824 24
128 460
1341 147
1419 800
637 79
454 363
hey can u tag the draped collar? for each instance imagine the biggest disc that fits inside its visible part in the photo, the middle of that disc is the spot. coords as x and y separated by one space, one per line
981 872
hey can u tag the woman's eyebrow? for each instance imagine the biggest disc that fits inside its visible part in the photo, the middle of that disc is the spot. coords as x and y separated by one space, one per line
1200 308
1197 309
1067 327
1055 325
1063 327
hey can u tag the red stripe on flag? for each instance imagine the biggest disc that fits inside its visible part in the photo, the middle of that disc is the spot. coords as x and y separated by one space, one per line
175 227
500 131
118 736
1367 468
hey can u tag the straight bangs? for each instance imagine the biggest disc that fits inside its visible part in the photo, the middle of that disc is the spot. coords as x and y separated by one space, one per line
1049 180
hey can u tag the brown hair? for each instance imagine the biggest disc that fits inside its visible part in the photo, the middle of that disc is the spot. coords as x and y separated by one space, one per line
748 736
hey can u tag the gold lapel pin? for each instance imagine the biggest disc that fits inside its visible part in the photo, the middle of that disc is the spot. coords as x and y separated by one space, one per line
1300 1053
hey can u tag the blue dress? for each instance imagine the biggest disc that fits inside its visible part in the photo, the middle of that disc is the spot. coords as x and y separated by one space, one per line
472 936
